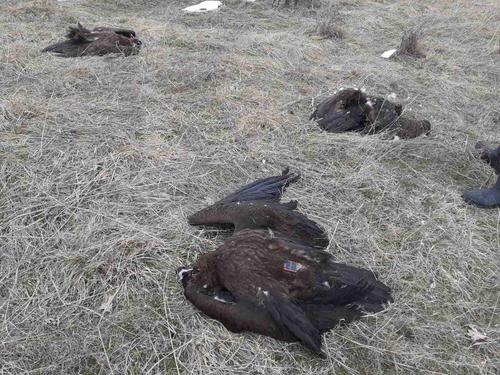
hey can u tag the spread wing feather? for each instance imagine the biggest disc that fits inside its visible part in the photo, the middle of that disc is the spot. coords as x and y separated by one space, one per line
257 206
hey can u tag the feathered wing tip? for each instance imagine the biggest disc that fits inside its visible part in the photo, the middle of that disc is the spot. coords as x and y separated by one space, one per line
358 287
326 317
376 299
75 35
291 317
265 189
51 48
78 33
308 231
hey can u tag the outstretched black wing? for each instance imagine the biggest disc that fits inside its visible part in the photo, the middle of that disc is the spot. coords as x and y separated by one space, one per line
262 191
267 189
257 206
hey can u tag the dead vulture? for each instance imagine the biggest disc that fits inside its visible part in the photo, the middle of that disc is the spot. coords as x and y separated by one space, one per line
272 285
487 198
101 41
352 109
257 206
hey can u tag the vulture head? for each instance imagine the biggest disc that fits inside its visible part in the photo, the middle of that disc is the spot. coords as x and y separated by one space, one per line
184 274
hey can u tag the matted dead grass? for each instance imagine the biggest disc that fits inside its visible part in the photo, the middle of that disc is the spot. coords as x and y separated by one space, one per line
102 159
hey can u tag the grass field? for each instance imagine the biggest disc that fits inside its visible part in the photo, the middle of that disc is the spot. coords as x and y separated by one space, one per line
102 159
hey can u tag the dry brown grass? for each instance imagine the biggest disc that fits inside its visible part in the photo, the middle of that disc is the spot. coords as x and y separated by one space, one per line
411 44
35 9
102 159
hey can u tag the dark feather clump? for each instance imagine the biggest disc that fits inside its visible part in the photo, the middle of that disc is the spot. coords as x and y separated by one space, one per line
352 109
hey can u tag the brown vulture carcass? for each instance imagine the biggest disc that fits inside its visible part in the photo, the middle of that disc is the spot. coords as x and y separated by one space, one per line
351 109
263 282
98 42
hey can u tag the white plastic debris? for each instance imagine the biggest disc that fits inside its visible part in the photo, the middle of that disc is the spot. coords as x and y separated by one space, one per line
204 6
388 53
